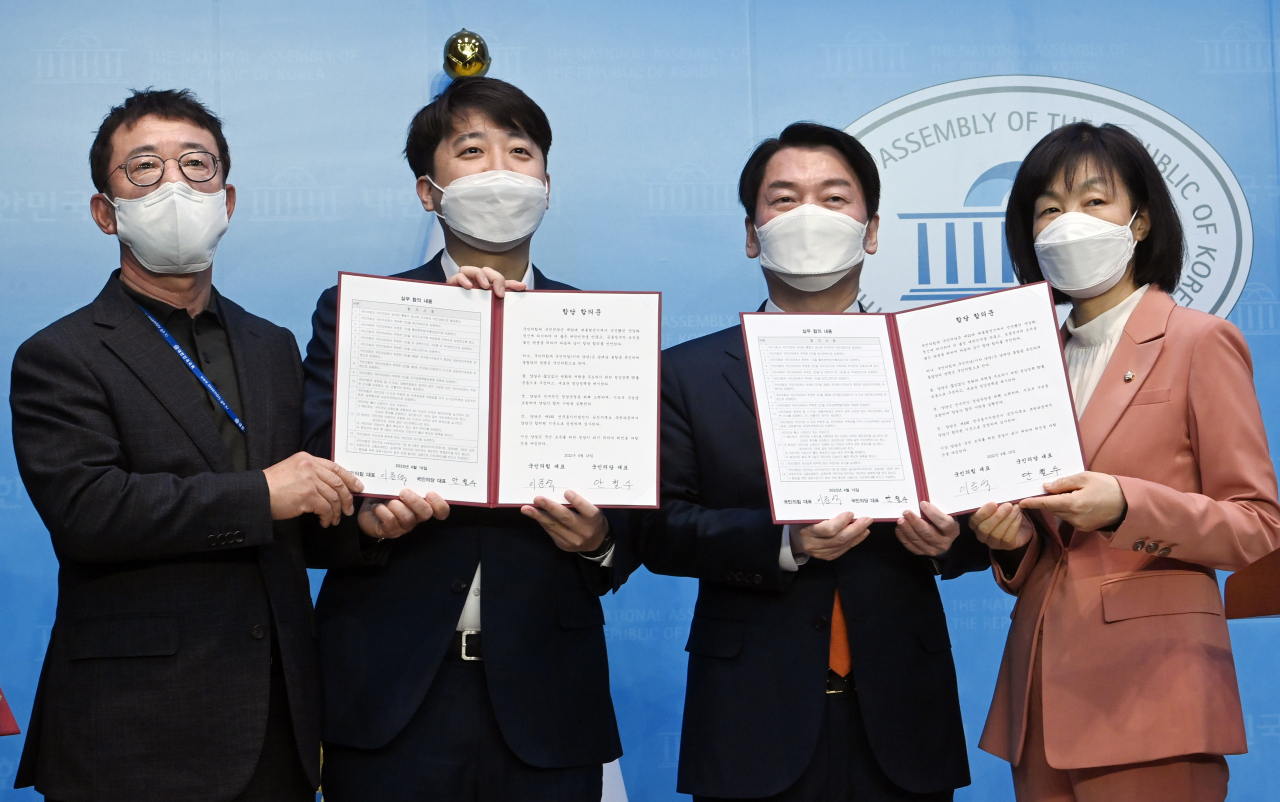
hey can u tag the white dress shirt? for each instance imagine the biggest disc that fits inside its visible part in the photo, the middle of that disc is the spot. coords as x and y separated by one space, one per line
1091 346
786 560
470 618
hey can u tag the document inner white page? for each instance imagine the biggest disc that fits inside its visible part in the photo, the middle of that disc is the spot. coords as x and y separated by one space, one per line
993 412
580 397
831 422
411 388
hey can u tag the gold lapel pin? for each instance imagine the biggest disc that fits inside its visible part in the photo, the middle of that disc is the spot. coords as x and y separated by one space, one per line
1128 377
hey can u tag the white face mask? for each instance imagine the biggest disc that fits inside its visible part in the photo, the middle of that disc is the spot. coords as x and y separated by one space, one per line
1082 255
811 247
174 229
495 210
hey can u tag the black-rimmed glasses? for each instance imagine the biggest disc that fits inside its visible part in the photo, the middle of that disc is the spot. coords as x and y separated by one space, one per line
147 169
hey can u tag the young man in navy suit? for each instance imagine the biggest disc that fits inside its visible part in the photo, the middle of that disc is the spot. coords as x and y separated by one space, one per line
422 701
820 665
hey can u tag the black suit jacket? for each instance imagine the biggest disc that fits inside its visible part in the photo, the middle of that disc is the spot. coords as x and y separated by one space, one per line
387 613
156 680
759 640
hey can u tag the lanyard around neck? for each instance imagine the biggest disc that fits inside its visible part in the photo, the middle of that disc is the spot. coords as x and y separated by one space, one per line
208 385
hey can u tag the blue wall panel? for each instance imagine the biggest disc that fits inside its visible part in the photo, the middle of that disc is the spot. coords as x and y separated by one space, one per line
655 107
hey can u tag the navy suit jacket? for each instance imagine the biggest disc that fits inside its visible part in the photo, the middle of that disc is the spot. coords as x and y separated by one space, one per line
388 611
759 640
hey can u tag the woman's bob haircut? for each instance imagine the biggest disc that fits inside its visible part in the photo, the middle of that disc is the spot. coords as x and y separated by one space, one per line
1117 156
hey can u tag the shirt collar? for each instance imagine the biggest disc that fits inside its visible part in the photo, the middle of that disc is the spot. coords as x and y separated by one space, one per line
163 311
770 306
1108 324
451 269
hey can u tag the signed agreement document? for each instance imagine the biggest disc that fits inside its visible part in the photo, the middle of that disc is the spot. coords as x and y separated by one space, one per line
493 402
959 403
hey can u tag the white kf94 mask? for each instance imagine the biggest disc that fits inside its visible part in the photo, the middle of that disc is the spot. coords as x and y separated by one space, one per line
1082 255
811 247
495 210
174 229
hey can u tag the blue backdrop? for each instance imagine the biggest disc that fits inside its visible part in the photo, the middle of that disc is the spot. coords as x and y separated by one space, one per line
655 107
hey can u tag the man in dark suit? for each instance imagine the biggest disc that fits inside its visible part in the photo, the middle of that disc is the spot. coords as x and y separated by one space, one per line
182 662
820 665
420 700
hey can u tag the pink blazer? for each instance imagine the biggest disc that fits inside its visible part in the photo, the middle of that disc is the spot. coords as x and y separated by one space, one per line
1136 657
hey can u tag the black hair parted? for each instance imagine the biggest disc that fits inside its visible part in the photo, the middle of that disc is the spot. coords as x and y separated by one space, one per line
504 104
1117 155
811 135
167 104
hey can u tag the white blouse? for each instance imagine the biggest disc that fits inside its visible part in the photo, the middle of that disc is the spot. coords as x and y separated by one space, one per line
1091 346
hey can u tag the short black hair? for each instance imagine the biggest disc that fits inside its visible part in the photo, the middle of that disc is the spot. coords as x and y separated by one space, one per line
1116 154
811 135
168 104
504 104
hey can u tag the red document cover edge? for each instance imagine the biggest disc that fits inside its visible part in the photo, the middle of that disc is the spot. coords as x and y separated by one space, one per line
337 321
8 726
908 410
495 398
746 345
333 411
657 467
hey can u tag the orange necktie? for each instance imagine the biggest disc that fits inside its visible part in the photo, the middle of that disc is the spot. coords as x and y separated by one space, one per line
839 659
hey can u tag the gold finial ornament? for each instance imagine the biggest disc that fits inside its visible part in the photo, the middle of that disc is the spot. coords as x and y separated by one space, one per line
466 55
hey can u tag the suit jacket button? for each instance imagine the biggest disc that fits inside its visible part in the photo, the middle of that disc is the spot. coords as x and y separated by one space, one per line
258 632
239 536
1152 547
820 622
213 540
458 585
757 579
1138 545
1164 552
738 576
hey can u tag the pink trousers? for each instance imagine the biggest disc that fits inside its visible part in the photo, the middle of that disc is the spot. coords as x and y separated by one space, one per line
1188 778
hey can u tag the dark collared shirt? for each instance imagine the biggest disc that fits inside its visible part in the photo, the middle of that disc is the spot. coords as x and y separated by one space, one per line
204 338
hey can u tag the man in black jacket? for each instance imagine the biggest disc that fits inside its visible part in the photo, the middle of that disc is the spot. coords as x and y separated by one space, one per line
154 430
820 666
420 700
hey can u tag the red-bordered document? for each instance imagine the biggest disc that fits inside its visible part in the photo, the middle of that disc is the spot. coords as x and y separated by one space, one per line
959 403
494 401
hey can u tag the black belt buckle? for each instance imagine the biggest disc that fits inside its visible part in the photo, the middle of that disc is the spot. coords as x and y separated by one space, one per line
837 683
470 638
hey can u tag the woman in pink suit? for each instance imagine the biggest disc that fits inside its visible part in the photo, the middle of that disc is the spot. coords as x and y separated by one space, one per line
1117 681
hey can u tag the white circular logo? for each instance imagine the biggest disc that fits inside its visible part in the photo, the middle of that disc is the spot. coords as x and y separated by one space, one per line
948 155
